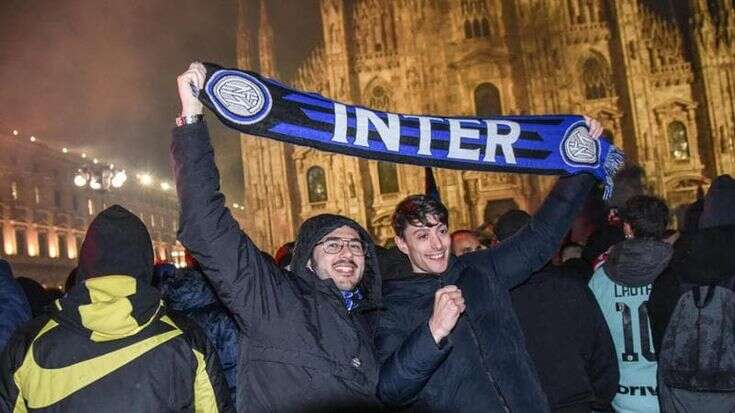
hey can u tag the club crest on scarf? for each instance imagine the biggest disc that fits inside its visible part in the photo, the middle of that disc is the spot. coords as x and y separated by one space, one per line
242 98
577 148
538 144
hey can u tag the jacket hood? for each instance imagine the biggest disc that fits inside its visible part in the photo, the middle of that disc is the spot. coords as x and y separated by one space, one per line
186 289
719 204
117 243
705 256
638 261
313 230
108 308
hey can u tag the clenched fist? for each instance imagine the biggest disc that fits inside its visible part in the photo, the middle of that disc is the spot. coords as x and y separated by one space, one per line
448 305
192 78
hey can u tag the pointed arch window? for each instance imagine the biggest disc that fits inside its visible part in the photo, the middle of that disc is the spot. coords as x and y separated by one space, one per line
485 27
487 100
387 177
597 79
678 141
316 183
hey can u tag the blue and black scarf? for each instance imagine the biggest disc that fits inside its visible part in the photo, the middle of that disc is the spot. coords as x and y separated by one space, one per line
548 144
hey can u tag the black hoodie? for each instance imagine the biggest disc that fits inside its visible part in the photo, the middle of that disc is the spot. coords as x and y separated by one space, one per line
300 349
109 344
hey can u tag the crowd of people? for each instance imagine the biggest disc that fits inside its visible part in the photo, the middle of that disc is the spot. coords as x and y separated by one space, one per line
629 317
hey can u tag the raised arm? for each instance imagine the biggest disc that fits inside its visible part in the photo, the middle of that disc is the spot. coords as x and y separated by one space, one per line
516 258
241 275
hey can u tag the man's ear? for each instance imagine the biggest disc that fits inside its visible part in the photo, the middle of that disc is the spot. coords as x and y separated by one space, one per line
401 244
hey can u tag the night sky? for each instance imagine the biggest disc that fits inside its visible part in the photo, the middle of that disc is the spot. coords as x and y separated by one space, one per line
100 75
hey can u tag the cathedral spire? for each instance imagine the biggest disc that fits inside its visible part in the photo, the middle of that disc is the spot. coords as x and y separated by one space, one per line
265 43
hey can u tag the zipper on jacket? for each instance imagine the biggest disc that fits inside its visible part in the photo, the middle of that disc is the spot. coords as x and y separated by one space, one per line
487 372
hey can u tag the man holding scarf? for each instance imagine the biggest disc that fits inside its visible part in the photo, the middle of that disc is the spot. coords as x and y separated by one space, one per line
306 341
433 353
448 338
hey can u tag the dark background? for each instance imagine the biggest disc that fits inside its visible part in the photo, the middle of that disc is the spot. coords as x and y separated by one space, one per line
100 75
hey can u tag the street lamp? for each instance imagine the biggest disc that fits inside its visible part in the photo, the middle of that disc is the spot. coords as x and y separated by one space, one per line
99 179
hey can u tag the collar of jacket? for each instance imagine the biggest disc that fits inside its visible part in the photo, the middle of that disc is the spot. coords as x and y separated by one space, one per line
637 262
418 284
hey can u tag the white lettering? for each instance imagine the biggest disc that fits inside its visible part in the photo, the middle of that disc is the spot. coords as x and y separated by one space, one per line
494 139
340 123
456 133
424 132
389 133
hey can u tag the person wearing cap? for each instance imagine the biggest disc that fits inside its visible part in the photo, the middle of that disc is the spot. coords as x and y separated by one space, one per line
559 312
109 344
306 333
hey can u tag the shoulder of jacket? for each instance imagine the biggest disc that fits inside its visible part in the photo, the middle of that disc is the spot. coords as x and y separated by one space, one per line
20 341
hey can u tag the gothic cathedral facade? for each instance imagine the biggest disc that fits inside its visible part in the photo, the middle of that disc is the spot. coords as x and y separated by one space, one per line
659 74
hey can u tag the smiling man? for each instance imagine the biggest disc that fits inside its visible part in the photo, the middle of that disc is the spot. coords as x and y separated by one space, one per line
435 355
306 340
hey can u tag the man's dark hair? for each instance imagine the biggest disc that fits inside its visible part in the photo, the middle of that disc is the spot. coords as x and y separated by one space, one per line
415 210
647 216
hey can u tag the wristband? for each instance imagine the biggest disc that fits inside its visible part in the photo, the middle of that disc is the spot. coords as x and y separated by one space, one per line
188 119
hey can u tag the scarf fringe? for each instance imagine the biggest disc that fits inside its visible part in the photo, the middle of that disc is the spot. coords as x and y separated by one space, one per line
614 161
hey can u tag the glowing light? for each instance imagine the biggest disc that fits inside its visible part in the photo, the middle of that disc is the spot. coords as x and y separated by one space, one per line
84 155
64 150
95 183
146 179
80 180
119 179
236 205
95 161
165 186
15 132
33 138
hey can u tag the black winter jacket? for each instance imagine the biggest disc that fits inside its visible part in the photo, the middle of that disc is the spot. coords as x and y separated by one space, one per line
568 340
701 257
300 349
483 366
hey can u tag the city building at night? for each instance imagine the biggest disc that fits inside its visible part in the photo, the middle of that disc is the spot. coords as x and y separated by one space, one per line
45 209
660 76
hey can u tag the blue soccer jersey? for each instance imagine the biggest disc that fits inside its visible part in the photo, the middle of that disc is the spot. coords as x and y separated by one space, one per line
626 315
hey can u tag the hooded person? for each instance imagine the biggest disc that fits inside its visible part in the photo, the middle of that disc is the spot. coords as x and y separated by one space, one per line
306 333
703 261
14 308
622 285
109 344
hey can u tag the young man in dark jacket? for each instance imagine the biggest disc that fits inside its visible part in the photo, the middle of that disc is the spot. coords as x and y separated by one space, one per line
560 313
306 334
441 360
109 345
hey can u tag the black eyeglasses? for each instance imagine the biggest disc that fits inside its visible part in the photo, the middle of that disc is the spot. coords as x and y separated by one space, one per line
335 245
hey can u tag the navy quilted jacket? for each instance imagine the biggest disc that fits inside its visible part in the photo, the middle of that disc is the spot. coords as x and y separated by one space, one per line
14 308
188 292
